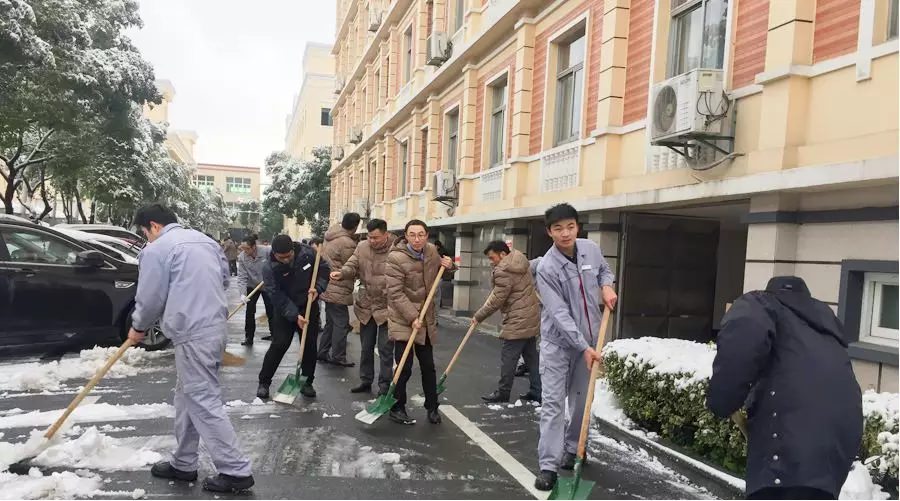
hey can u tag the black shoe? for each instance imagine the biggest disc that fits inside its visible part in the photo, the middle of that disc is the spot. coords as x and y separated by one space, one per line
247 342
266 338
434 417
530 397
227 483
324 359
521 370
166 470
568 461
343 363
545 480
400 416
308 391
496 397
263 391
361 388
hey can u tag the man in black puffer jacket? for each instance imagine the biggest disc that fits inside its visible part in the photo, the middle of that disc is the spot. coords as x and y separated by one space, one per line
785 350
288 282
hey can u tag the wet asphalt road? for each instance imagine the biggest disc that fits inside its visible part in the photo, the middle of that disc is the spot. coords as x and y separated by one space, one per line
298 453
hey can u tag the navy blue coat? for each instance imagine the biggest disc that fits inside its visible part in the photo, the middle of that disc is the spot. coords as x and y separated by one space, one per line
783 354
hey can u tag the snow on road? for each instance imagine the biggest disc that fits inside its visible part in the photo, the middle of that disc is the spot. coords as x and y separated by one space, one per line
91 413
96 451
35 376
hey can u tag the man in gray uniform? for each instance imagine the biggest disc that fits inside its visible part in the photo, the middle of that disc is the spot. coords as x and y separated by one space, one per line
251 261
182 278
572 279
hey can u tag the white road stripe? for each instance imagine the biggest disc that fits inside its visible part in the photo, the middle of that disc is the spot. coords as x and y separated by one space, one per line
503 458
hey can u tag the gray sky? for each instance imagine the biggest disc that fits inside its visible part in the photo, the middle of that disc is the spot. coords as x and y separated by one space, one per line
235 65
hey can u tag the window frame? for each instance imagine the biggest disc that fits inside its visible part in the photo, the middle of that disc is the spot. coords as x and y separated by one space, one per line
850 309
403 164
497 120
407 54
869 332
231 182
680 11
452 135
576 73
209 181
892 20
325 118
459 15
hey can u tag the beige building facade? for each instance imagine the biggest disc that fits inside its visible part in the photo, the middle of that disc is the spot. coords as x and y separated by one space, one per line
310 124
179 143
708 144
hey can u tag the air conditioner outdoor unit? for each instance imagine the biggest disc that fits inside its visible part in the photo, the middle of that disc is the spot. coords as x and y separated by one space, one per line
689 106
337 152
375 18
338 85
440 48
445 186
355 135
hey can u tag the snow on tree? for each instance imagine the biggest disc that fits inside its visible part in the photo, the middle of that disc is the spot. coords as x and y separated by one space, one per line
301 190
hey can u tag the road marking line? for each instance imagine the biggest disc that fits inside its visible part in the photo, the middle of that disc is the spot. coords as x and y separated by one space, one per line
503 458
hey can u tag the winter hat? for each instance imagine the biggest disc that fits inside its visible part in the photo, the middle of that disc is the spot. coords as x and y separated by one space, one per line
282 244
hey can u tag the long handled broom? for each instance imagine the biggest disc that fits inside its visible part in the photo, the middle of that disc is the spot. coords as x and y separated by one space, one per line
290 388
384 403
575 487
228 358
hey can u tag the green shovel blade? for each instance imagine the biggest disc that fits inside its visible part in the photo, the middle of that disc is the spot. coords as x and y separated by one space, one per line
290 388
573 487
381 406
440 386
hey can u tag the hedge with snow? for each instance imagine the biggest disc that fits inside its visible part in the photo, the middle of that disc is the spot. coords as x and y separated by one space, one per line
661 385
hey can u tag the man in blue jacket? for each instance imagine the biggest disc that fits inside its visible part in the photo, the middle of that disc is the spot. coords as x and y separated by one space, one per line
783 354
573 278
288 282
182 278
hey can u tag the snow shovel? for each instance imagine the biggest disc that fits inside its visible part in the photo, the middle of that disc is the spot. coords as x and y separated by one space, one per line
575 487
295 382
87 388
384 403
230 359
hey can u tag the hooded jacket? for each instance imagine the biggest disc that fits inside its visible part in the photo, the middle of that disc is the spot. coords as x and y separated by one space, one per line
287 285
783 352
515 296
368 265
338 247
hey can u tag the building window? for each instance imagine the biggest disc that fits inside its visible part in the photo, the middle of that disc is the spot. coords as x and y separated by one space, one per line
459 13
498 121
698 35
569 83
453 141
326 119
404 164
892 19
378 89
370 189
407 54
879 321
237 184
423 167
204 182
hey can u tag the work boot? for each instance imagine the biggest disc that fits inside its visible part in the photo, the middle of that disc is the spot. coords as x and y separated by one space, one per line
496 397
361 388
308 391
399 415
434 417
343 363
263 391
521 370
568 461
525 397
227 483
247 342
325 359
266 338
165 469
545 480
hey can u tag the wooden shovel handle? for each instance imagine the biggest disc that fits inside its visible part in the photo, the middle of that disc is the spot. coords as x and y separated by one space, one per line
309 303
459 349
88 387
412 335
595 371
238 307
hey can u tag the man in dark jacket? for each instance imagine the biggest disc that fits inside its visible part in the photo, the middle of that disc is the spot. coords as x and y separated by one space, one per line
785 350
288 279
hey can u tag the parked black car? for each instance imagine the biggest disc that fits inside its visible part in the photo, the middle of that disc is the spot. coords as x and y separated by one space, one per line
60 294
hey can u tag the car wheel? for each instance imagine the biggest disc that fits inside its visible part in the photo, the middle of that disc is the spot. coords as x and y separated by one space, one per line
155 339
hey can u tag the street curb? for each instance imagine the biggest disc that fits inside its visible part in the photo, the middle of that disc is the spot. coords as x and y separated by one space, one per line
670 458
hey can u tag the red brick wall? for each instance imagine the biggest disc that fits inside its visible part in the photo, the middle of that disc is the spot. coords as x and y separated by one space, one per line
637 71
593 61
837 25
540 75
481 128
751 33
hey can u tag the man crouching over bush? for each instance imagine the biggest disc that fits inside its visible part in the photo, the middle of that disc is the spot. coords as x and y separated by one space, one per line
786 351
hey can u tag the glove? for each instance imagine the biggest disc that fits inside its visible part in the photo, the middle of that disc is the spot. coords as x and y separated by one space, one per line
243 299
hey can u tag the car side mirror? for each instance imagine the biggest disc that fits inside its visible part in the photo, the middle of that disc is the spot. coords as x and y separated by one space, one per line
92 258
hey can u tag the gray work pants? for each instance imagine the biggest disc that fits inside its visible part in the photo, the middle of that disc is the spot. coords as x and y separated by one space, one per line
509 356
371 337
200 411
333 343
563 374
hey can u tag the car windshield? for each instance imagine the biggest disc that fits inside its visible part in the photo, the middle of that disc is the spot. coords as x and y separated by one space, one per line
124 247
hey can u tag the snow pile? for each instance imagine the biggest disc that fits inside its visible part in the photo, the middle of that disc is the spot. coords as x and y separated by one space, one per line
97 451
63 485
689 361
326 415
859 485
50 376
606 406
884 405
90 413
11 453
241 403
